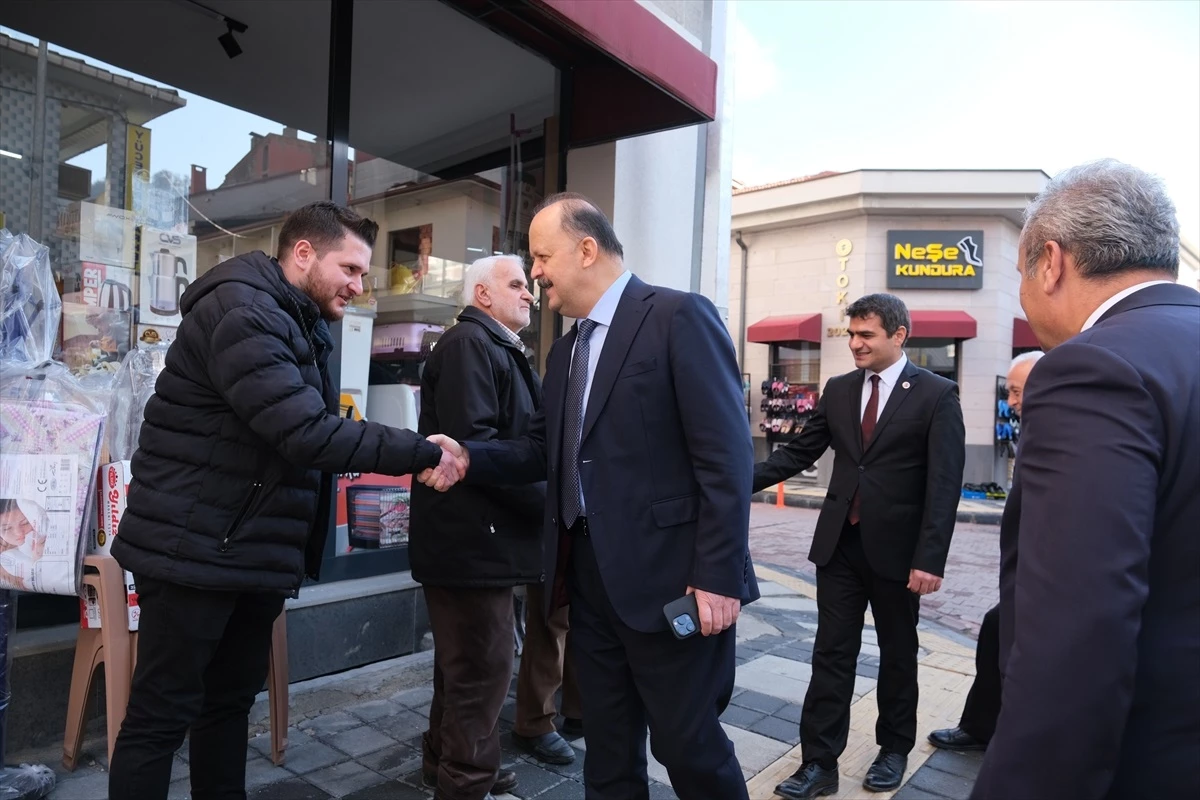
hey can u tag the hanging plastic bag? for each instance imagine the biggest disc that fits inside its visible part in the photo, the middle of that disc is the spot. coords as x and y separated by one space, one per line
132 389
30 307
51 430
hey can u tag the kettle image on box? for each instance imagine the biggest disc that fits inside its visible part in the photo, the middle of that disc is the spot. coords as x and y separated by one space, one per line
115 296
168 280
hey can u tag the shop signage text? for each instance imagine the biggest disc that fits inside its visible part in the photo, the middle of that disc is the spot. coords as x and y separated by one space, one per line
935 259
842 283
137 159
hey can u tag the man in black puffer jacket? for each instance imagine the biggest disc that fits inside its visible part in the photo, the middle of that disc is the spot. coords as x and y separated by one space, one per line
471 545
231 490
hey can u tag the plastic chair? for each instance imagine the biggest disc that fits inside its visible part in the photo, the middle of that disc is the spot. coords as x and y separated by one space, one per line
116 647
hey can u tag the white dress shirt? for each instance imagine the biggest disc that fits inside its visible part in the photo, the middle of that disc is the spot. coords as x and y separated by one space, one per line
602 314
887 382
1112 301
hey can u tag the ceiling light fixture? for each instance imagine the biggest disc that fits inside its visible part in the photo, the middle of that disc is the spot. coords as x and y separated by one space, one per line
232 48
11 154
232 26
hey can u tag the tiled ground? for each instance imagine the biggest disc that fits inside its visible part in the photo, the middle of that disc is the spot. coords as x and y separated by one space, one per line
355 737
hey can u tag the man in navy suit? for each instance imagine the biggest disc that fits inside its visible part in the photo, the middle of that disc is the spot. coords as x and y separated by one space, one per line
648 460
1100 556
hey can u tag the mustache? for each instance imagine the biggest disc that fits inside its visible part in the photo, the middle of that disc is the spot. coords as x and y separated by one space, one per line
545 283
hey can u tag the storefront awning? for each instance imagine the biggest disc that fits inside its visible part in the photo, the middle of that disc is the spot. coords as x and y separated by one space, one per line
799 328
631 73
1023 335
942 325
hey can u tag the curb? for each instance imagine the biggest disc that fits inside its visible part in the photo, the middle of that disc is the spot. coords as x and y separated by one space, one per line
805 501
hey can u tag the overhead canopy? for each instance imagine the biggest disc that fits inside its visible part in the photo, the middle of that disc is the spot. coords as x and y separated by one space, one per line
433 84
1023 335
798 328
942 325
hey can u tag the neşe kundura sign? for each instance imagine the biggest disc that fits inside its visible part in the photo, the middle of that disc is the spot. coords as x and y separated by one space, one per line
935 259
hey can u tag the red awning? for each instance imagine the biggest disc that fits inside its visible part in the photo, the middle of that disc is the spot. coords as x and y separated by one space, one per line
942 325
1023 334
799 328
631 73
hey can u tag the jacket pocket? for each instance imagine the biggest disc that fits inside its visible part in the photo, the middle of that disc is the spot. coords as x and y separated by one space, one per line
243 512
676 511
638 367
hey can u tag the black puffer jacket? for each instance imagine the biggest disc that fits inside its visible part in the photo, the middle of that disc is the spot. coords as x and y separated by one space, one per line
227 489
477 386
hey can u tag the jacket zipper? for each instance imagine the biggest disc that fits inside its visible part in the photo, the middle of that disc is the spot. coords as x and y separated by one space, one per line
241 517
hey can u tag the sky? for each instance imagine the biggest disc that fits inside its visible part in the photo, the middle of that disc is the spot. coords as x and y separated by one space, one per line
854 84
972 84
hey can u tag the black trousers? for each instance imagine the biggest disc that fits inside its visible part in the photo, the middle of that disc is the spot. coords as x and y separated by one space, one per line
202 657
982 708
472 669
845 586
629 679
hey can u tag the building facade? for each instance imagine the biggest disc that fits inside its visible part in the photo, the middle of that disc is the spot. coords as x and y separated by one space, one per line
943 241
444 120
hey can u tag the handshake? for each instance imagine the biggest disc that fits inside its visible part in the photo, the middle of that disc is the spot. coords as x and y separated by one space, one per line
453 466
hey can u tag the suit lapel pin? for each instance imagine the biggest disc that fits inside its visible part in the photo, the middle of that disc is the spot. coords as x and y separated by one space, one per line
905 385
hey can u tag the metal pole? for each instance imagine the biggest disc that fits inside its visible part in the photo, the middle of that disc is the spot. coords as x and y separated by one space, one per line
37 165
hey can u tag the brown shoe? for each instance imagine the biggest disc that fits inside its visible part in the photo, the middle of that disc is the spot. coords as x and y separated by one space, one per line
506 781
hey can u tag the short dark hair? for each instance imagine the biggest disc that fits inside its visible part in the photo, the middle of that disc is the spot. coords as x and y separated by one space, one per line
582 218
892 312
324 224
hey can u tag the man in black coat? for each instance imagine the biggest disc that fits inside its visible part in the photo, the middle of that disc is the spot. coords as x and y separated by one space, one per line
647 456
471 545
882 537
229 501
1099 585
982 707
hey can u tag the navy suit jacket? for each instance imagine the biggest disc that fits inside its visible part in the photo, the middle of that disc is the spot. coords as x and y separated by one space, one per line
1100 592
665 451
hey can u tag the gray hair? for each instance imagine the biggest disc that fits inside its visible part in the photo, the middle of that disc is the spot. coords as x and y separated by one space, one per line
892 312
1030 358
1111 217
480 273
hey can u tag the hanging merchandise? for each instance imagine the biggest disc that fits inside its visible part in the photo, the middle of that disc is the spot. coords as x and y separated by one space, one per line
51 426
29 309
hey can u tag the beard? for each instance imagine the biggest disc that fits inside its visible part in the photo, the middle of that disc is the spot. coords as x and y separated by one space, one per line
325 297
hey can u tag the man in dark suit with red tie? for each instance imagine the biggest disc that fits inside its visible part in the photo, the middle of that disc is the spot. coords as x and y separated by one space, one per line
1099 550
882 537
646 452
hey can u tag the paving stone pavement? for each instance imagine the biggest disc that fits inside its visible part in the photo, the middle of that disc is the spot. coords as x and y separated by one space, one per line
356 736
782 536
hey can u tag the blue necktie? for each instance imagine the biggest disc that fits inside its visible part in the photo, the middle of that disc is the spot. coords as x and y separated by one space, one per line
571 490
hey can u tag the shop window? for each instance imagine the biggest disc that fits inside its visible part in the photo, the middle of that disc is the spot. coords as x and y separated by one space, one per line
939 356
790 394
147 183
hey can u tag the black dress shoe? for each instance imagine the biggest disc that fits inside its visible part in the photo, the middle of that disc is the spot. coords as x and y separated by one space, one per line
572 727
549 748
956 739
811 780
886 773
506 781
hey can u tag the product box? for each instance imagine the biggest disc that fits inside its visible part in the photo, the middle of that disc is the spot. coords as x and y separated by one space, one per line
168 268
89 606
150 335
97 319
112 490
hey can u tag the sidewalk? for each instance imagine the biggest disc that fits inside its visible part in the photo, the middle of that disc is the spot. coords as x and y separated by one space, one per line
980 512
356 735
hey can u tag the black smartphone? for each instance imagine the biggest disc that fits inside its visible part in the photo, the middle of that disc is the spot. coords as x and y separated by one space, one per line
683 617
